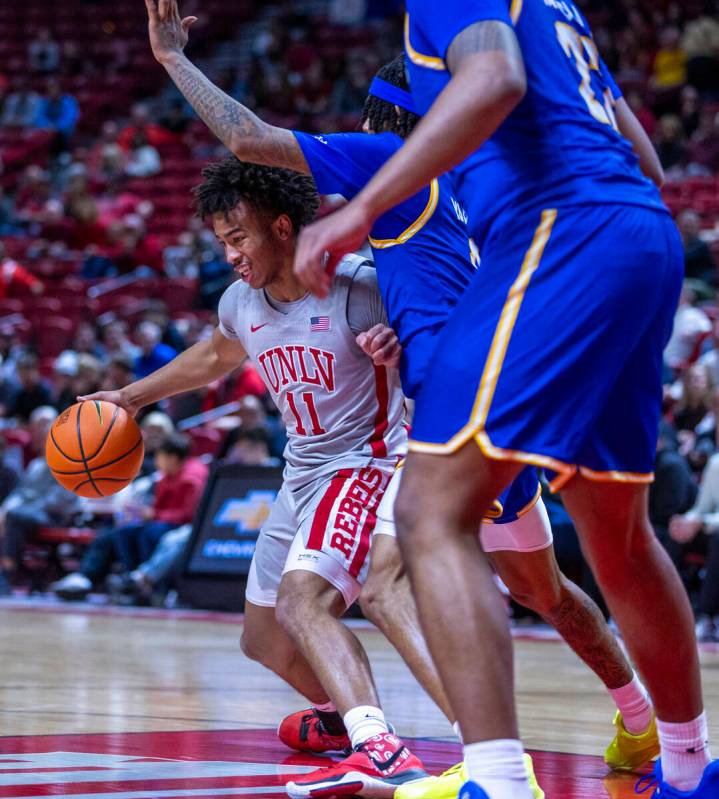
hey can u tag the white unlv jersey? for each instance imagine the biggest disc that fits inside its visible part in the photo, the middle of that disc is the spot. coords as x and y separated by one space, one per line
336 405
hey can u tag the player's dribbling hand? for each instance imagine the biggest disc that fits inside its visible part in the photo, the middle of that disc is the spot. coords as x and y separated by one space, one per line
116 397
168 31
322 245
382 345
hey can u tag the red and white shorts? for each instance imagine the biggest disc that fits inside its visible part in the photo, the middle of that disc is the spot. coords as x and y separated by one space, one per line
331 535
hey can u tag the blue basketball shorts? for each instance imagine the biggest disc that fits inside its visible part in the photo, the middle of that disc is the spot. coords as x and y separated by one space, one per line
553 356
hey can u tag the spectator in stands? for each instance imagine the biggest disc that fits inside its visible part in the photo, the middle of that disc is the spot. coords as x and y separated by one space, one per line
153 353
670 143
131 246
177 495
89 375
176 120
143 160
670 63
34 391
15 279
118 373
689 109
21 106
141 121
691 327
58 111
116 342
250 447
109 168
156 427
43 52
703 152
38 500
696 398
63 378
698 259
86 341
703 518
157 313
701 42
674 489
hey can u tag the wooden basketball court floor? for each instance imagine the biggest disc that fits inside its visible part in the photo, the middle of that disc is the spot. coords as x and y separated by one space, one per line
98 703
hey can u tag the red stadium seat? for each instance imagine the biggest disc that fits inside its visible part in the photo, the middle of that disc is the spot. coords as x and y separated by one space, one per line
52 335
179 294
205 441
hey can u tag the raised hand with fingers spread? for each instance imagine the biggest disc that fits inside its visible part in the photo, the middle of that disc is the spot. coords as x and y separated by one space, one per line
168 31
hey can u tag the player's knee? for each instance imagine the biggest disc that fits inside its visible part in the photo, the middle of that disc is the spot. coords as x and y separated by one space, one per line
288 612
252 647
377 599
543 597
614 565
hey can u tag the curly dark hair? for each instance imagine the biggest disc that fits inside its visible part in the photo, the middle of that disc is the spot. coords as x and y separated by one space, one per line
270 190
382 115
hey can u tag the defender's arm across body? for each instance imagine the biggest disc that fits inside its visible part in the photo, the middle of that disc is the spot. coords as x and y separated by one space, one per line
197 366
488 81
241 131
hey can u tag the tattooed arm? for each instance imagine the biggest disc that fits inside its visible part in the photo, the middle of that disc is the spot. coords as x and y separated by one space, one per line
488 81
241 131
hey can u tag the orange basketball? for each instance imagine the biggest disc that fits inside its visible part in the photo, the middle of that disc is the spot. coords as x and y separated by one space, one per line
94 449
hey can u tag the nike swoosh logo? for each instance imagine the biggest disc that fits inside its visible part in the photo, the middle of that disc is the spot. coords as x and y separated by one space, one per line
387 765
254 329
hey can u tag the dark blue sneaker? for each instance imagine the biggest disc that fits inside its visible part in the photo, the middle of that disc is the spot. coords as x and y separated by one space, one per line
470 790
708 788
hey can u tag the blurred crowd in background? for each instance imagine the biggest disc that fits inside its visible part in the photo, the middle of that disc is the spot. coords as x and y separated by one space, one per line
105 273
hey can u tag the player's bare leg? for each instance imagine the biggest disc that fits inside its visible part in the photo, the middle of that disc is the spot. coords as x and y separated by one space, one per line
387 601
438 511
308 610
264 640
535 581
627 559
648 601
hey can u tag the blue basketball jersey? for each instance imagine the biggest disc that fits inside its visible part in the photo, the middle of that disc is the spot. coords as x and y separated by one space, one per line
421 247
560 145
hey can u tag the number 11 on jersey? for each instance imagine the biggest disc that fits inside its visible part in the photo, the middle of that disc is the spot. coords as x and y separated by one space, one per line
309 401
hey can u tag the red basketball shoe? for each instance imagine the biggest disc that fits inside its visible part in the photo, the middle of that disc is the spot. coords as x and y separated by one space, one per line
374 770
305 732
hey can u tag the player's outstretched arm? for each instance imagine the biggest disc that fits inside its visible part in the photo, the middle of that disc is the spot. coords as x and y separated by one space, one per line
488 81
631 128
241 131
197 366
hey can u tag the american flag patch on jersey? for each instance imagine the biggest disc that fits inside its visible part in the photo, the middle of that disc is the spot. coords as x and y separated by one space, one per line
319 323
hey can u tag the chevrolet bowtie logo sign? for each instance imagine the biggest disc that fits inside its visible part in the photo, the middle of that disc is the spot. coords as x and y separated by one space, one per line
247 514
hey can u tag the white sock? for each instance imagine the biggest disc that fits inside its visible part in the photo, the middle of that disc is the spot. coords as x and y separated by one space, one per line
328 707
498 768
458 732
685 752
364 722
633 702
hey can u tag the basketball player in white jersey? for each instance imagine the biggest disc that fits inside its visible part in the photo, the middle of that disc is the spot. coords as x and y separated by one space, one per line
344 414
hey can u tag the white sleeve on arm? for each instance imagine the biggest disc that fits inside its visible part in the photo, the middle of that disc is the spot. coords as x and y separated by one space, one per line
227 311
364 303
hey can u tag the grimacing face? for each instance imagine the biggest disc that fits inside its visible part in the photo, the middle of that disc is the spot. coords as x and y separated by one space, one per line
253 244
